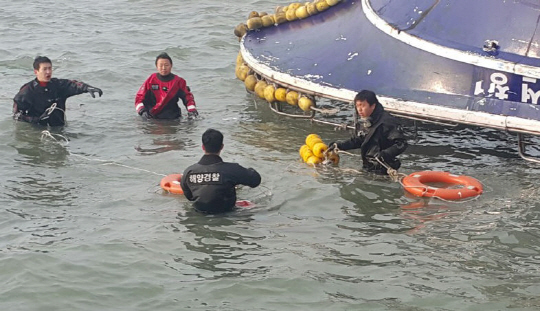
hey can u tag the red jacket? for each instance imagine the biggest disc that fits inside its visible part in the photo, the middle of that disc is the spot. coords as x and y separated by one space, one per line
159 96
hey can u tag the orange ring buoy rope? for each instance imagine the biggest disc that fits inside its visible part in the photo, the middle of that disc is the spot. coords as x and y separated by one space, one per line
171 183
416 183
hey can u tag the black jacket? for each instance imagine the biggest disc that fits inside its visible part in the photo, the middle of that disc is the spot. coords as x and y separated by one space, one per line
211 183
381 134
33 100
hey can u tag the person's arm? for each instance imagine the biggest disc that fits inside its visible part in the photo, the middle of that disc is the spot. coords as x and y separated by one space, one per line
19 101
247 176
399 143
184 93
352 143
73 87
139 98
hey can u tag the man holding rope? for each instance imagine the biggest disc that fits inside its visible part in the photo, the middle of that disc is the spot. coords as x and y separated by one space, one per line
378 135
43 100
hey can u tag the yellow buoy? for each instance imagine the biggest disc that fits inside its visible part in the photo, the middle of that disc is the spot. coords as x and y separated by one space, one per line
292 98
242 72
280 18
305 103
307 154
301 12
294 6
280 94
312 136
253 14
311 8
240 30
250 82
269 91
313 160
262 14
254 23
321 5
268 20
319 149
239 59
291 14
311 143
332 2
259 88
302 150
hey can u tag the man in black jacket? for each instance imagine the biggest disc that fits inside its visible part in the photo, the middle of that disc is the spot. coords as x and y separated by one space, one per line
378 135
43 100
210 183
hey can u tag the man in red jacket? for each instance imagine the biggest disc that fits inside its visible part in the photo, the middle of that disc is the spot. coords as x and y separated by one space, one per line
158 96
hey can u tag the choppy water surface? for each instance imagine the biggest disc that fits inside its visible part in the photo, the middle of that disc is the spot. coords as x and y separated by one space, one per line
84 225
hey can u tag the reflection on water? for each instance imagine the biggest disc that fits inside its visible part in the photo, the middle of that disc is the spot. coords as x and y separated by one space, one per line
167 135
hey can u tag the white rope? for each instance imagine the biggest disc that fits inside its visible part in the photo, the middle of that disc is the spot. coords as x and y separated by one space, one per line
45 134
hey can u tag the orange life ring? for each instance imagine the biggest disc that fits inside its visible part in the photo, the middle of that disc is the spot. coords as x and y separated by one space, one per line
171 183
416 183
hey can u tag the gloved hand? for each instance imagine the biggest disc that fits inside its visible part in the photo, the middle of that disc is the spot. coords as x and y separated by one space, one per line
331 146
192 113
93 90
145 114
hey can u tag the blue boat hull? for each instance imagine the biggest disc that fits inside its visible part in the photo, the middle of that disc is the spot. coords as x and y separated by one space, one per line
426 59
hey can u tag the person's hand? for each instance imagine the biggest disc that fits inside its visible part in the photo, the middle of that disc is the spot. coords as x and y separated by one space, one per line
145 114
331 146
192 113
92 90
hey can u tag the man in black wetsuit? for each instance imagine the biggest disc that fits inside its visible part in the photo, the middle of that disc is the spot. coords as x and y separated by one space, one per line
210 183
43 100
378 135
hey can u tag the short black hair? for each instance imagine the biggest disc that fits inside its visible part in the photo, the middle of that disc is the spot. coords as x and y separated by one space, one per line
212 141
366 95
163 56
40 60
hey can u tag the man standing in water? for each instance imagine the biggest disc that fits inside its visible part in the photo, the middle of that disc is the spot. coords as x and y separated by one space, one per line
211 182
158 96
378 135
43 100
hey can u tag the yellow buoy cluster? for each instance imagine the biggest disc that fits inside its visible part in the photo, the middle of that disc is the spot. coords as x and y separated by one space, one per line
269 91
282 14
313 152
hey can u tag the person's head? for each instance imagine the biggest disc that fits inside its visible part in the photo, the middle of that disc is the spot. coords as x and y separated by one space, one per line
212 141
365 102
43 68
164 64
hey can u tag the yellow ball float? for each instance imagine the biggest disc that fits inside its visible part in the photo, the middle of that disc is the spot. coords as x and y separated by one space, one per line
280 18
321 5
292 98
269 91
250 82
307 154
319 149
294 6
301 12
313 139
305 103
280 94
303 150
313 160
311 8
259 88
332 2
268 20
290 15
240 30
253 14
254 23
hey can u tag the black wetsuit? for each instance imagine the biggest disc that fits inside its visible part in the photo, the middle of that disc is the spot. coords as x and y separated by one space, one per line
211 183
35 102
381 134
